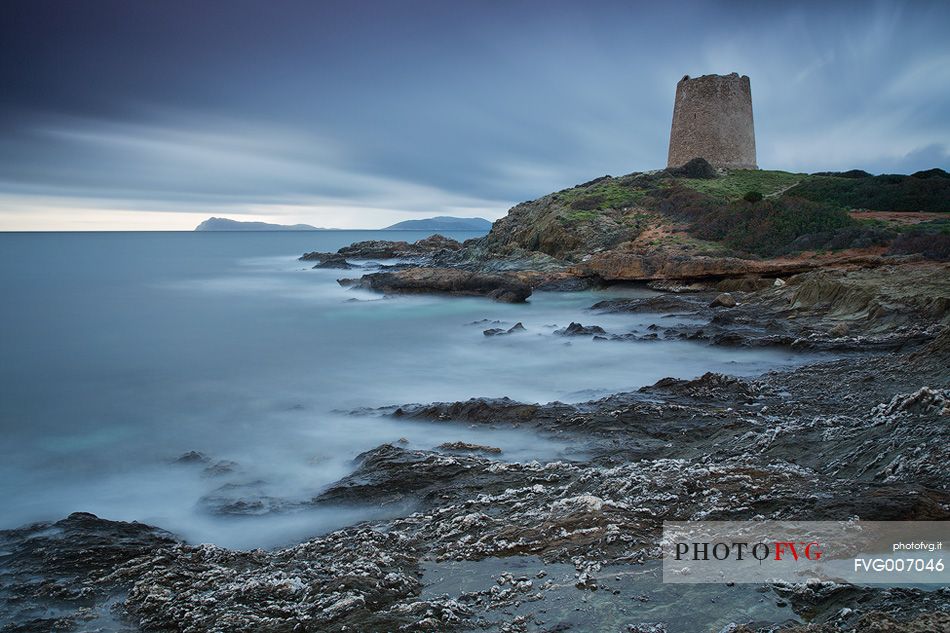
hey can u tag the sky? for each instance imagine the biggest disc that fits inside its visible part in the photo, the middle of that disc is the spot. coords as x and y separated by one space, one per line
148 115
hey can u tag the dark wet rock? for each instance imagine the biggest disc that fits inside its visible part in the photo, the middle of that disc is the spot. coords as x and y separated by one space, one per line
357 579
437 243
662 304
53 576
831 607
251 498
900 502
710 387
474 410
862 435
568 284
386 249
193 457
576 329
391 475
485 322
335 260
465 447
316 256
724 300
514 329
220 468
422 251
500 287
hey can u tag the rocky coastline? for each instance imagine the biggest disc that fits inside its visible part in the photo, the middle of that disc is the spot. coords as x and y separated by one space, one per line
862 436
556 546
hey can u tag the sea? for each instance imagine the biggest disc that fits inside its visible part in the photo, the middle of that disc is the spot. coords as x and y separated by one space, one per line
125 355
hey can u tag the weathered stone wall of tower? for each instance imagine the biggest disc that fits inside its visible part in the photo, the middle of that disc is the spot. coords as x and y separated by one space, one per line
712 119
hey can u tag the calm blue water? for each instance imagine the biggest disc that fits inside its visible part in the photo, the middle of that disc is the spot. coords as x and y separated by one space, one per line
121 351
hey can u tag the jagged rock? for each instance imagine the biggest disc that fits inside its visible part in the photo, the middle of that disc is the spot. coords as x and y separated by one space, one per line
617 265
576 329
567 284
335 260
465 447
316 256
839 330
53 572
517 327
724 300
749 283
219 468
663 304
193 457
250 498
500 287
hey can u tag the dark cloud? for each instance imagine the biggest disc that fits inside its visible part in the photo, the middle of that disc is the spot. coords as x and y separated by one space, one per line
354 110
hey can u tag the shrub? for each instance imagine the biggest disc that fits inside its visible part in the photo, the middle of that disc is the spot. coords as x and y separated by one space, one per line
845 237
930 239
768 227
696 168
925 191
752 196
587 203
682 203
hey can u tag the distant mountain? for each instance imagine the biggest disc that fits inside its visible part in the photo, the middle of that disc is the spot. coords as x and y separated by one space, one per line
224 224
442 223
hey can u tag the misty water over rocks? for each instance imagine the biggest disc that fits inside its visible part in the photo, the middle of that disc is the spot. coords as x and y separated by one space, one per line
124 353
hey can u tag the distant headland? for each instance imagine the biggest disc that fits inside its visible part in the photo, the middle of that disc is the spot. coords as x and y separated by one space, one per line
442 223
226 224
439 223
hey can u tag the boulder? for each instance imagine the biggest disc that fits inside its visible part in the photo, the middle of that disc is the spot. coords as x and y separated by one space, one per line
465 447
335 260
497 286
724 300
576 329
316 256
696 168
497 331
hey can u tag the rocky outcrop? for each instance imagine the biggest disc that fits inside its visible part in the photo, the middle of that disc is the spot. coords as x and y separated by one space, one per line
387 249
576 329
497 331
53 574
723 300
860 436
634 266
334 260
500 287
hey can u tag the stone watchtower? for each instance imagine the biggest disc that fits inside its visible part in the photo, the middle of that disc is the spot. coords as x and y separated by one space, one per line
712 119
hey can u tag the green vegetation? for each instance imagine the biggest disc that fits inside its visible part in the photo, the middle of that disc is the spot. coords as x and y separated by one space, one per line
738 182
930 239
756 212
607 193
769 227
924 191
